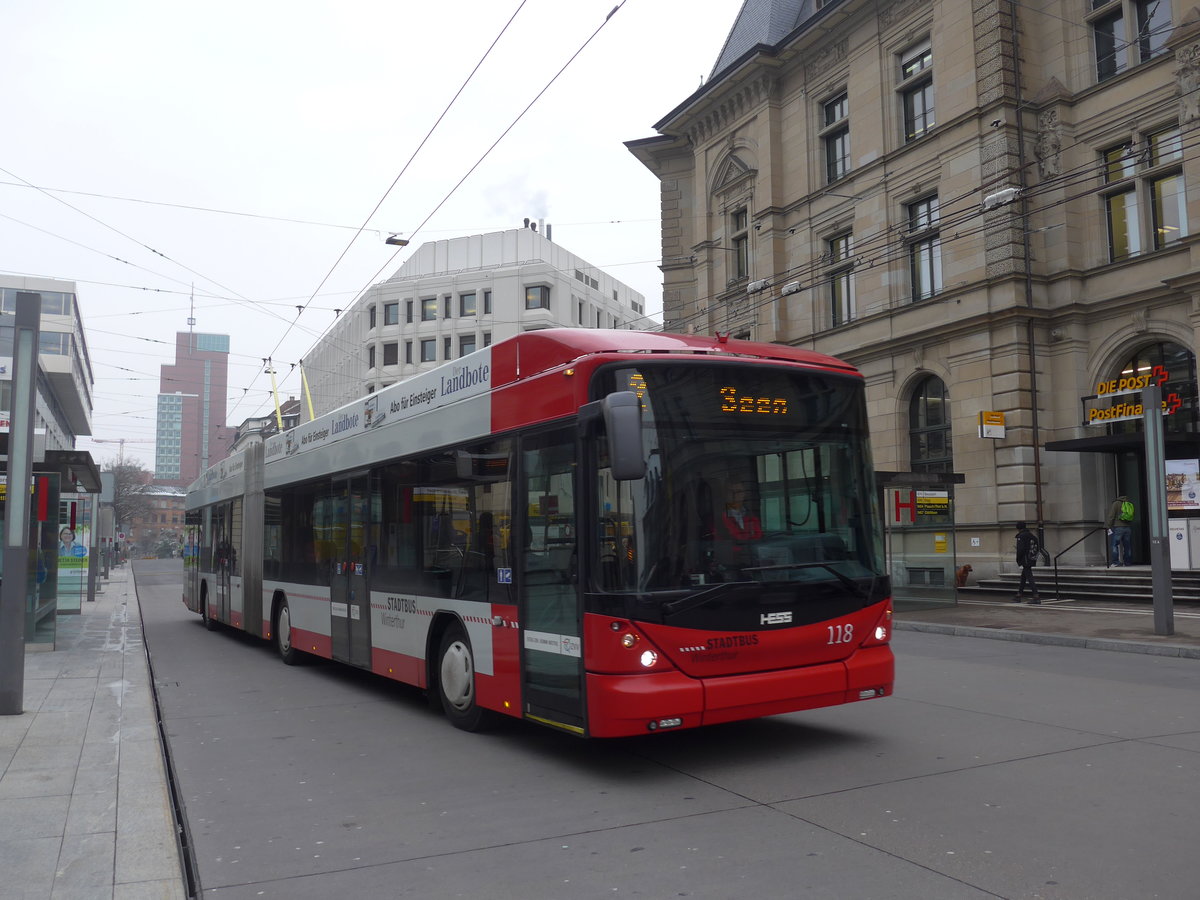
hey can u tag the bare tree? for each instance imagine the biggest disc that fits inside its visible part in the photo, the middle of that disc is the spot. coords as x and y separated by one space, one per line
130 491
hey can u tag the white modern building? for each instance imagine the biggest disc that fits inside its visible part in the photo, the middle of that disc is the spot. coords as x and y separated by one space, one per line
65 480
64 387
454 296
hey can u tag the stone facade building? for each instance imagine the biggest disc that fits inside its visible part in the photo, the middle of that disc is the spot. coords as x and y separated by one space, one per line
985 206
158 532
256 429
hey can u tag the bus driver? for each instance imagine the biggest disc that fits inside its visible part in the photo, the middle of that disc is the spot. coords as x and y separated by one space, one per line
738 523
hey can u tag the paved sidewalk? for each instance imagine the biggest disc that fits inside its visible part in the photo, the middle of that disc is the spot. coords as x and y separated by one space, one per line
84 807
1126 627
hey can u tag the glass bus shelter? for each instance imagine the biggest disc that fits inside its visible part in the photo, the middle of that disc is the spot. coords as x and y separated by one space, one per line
919 533
59 568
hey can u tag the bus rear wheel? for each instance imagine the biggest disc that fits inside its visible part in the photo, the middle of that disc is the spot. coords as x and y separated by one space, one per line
283 635
456 680
208 621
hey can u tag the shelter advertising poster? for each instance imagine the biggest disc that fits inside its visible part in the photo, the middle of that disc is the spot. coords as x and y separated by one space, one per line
72 566
1183 484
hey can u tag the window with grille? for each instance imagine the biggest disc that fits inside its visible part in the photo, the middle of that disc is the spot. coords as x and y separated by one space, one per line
840 278
835 134
740 243
916 90
1143 194
1128 32
930 448
924 248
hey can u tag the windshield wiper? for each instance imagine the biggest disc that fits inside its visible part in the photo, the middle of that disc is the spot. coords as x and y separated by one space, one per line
845 579
716 592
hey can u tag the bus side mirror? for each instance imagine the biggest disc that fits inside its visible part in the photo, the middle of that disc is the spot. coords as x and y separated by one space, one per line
622 412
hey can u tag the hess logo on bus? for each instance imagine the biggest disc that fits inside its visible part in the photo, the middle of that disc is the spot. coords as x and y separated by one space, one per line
775 618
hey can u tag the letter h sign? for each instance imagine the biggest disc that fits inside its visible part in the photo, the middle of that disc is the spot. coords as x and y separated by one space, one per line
911 506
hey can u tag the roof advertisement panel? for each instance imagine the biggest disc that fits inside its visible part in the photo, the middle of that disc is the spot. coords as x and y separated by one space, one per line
445 385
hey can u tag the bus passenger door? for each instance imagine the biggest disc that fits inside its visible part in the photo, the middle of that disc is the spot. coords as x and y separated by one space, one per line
191 559
551 617
222 562
350 606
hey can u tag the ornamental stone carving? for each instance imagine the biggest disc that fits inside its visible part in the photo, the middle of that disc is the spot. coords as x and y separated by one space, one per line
731 109
892 13
1048 145
830 55
1189 82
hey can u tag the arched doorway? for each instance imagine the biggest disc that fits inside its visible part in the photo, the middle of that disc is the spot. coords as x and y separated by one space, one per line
1173 367
1176 365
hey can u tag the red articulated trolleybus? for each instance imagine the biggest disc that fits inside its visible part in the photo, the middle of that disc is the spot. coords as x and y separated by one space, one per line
606 532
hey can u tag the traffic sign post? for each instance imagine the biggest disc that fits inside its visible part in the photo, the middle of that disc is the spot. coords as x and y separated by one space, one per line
1156 509
13 588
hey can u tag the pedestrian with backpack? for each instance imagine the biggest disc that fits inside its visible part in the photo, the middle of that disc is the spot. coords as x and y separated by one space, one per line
1120 531
1028 549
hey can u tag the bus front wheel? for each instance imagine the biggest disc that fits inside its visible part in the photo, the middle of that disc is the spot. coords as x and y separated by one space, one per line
456 680
283 635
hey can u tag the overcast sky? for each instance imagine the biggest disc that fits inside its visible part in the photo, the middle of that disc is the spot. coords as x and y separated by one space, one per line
234 149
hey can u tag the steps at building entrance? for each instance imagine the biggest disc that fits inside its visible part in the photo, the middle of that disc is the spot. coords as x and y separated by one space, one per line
1132 584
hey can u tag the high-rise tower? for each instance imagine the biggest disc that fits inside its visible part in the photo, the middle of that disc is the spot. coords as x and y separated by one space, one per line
191 432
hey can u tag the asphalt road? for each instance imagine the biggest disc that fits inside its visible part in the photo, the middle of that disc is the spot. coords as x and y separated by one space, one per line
998 769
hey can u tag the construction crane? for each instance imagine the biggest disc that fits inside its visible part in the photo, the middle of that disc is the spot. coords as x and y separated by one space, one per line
121 442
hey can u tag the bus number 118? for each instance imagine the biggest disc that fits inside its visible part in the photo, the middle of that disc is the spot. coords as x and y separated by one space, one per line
841 634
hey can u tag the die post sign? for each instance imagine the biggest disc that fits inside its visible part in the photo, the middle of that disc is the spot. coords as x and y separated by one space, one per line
1107 404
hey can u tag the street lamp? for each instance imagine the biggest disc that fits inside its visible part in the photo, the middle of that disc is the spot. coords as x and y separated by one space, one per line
396 241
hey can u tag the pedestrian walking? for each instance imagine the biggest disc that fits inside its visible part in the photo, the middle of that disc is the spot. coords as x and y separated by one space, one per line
1027 554
1120 531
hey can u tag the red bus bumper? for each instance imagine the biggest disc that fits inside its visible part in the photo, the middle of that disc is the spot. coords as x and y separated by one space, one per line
628 705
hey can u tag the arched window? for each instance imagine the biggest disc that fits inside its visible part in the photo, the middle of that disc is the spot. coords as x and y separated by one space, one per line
1180 364
929 427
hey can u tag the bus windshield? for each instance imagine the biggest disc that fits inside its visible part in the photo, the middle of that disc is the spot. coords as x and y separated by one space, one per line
758 483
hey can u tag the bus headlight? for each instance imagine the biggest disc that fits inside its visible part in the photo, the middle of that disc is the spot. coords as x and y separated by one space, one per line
649 658
629 640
